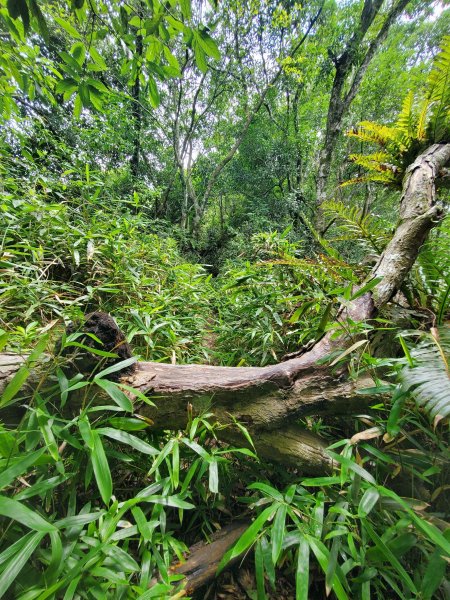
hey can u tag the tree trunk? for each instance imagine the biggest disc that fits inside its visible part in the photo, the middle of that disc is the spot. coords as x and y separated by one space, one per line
136 112
340 99
268 400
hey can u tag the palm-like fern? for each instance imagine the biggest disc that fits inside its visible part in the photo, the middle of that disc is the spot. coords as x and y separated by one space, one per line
428 377
422 121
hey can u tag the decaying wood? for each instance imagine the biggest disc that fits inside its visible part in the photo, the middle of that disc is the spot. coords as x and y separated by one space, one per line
204 558
268 400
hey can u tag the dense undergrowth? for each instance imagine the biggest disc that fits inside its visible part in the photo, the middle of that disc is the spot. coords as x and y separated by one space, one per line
95 504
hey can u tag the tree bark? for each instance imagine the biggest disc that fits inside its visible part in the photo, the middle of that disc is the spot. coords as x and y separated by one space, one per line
136 112
268 400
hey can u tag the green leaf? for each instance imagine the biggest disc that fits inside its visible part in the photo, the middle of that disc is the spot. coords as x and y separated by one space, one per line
42 24
78 51
74 68
101 468
208 44
278 532
128 423
200 58
66 85
320 481
353 347
21 513
248 538
434 574
25 548
160 590
366 288
84 94
122 559
301 310
77 520
115 393
429 530
368 501
18 8
98 59
389 556
268 490
86 432
68 28
10 474
353 466
259 571
142 523
196 448
185 6
99 88
322 554
130 440
213 477
15 384
153 92
123 364
302 571
41 487
47 433
174 501
77 107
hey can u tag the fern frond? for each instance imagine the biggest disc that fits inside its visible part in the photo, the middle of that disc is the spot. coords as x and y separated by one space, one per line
422 120
433 270
429 379
357 226
375 162
438 93
355 180
406 121
320 269
374 132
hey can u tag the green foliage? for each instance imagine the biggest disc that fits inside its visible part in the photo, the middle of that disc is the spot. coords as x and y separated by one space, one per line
93 502
354 224
419 124
77 74
277 304
89 503
360 534
432 274
99 259
427 375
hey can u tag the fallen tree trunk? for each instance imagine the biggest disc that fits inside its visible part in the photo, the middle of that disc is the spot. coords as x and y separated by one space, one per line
268 399
204 558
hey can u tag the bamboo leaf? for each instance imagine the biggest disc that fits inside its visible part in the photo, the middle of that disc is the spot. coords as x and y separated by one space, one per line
27 546
248 538
22 514
101 468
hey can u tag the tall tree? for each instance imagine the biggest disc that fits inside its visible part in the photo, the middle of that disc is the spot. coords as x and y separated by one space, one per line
350 67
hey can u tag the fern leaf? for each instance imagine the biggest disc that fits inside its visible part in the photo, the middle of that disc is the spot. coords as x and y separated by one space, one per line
357 226
439 93
406 121
374 132
422 121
